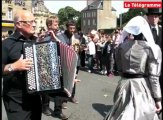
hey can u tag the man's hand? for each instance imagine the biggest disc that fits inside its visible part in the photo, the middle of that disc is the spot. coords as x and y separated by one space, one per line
53 35
22 64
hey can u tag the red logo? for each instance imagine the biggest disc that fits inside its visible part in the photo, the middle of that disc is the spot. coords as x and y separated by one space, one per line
142 4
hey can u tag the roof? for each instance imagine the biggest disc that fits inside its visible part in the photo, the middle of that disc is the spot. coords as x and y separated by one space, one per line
96 5
113 9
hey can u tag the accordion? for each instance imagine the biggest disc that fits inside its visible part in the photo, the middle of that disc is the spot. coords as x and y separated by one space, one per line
54 67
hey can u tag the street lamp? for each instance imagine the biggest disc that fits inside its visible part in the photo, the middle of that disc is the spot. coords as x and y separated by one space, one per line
121 19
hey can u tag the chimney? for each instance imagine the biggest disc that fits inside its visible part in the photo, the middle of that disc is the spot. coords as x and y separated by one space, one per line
90 2
107 5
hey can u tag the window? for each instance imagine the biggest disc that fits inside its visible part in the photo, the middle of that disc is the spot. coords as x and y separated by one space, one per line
88 14
88 22
3 14
94 22
10 13
92 14
8 1
83 15
84 23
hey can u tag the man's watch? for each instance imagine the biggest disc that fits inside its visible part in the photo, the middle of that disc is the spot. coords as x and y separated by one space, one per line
10 68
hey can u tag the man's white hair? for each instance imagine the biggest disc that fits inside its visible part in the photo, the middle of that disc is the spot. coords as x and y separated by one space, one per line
16 18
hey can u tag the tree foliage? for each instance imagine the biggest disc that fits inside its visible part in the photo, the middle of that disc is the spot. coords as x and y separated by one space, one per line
69 13
130 14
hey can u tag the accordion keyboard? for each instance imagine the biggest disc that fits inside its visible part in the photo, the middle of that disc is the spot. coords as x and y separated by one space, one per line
48 65
31 73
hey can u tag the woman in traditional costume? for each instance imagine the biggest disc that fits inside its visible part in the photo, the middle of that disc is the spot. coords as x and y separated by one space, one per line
138 94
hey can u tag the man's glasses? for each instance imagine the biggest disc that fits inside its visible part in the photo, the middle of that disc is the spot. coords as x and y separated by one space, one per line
28 22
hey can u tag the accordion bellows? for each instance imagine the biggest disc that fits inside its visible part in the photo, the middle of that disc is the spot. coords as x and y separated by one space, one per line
54 67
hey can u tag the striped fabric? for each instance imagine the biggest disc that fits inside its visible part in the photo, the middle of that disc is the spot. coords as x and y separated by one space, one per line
68 64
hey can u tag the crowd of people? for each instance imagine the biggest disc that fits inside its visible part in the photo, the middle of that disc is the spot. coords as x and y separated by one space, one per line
100 51
133 52
95 48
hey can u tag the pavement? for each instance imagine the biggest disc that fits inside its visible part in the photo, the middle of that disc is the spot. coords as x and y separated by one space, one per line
95 95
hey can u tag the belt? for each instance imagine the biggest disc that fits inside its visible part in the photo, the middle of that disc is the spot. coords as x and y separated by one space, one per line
128 75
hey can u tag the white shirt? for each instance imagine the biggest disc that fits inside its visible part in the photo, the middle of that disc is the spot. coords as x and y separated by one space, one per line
91 48
116 39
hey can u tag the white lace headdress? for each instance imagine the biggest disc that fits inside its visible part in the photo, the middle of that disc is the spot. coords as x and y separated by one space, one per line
139 25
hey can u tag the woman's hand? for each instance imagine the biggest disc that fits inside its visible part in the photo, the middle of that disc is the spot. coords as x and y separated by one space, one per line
76 80
158 106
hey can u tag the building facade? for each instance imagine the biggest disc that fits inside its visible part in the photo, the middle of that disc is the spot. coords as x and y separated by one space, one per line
9 7
37 7
98 14
41 13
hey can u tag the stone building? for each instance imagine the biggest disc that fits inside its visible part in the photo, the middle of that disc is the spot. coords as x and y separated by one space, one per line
99 14
9 7
41 13
37 7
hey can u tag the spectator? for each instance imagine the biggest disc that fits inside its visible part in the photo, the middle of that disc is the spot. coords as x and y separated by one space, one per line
153 17
90 50
107 54
82 51
99 45
3 37
10 32
41 33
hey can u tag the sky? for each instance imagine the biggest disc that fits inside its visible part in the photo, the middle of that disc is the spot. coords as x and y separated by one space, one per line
78 5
